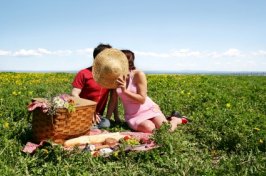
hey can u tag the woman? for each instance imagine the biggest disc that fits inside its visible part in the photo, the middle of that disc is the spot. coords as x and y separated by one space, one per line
141 113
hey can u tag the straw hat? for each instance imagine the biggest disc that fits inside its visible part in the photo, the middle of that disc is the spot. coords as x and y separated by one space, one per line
108 66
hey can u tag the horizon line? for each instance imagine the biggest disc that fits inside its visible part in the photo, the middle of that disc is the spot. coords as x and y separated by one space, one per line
146 71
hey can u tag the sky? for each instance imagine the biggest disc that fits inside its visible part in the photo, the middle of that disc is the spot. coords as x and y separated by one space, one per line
165 35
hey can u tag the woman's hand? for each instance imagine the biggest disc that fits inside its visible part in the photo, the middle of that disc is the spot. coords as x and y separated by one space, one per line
140 81
122 82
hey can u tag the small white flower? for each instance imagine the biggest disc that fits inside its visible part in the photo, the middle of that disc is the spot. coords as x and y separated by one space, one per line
58 102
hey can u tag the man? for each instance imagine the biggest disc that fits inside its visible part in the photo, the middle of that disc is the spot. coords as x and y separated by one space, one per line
84 86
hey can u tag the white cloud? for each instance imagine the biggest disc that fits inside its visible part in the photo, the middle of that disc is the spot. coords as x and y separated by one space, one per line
186 53
62 52
85 51
43 51
231 59
24 53
214 54
4 53
259 53
152 54
232 52
181 53
40 52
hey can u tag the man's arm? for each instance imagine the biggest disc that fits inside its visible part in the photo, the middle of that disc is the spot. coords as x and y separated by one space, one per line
75 93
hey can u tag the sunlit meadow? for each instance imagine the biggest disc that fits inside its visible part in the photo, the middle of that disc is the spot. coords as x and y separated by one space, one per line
226 136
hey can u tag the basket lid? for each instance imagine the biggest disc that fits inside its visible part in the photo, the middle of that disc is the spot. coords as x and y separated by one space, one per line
83 102
78 101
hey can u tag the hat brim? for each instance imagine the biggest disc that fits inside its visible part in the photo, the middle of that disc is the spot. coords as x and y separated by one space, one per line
108 66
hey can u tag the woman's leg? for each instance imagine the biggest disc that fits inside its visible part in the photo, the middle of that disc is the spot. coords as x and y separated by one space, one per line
146 126
174 121
158 121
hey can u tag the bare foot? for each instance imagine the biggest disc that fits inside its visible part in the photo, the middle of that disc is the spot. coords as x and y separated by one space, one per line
174 121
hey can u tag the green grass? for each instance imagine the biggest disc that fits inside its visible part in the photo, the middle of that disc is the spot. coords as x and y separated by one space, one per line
227 135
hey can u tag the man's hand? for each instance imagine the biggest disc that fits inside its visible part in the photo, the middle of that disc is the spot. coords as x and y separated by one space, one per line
97 118
75 92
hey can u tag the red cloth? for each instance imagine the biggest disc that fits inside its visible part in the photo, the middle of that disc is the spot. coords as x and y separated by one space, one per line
32 147
90 89
138 135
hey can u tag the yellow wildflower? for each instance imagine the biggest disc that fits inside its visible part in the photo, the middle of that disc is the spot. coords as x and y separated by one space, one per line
228 105
45 151
115 154
256 129
261 141
6 125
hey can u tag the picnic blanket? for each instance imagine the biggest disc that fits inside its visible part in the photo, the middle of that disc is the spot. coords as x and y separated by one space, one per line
146 142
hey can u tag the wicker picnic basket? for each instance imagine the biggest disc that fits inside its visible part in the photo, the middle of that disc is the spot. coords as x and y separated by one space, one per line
63 125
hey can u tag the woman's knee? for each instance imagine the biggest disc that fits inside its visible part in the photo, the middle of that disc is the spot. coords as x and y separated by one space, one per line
158 121
146 126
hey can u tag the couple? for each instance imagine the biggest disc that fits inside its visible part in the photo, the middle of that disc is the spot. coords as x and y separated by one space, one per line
141 113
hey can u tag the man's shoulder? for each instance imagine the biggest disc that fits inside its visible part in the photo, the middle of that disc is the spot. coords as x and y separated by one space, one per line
85 71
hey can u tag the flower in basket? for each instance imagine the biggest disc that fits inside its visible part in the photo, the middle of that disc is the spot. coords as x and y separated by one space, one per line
50 107
63 101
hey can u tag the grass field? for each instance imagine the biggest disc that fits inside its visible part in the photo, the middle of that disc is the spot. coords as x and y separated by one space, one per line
227 135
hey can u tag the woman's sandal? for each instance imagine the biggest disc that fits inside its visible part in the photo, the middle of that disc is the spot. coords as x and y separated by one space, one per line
178 115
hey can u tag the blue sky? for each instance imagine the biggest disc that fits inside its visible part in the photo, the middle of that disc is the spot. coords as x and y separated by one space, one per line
172 35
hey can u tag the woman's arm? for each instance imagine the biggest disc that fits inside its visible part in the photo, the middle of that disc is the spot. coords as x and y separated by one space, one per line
141 84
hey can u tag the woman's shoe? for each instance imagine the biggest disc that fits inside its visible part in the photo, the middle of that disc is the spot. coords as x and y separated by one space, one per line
174 114
178 115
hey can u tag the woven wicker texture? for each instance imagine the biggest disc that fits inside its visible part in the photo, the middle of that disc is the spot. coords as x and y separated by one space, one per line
63 125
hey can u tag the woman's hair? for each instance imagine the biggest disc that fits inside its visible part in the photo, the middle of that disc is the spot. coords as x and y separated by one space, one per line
100 48
130 57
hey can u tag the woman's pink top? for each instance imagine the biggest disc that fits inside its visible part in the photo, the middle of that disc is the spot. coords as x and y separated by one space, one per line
135 113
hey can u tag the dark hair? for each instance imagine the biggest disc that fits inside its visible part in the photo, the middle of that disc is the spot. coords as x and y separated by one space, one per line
100 48
130 57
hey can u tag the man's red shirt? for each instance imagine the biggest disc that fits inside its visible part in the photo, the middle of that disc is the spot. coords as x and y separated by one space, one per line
90 89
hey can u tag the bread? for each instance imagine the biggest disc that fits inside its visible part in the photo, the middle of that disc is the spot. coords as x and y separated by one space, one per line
93 139
110 141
